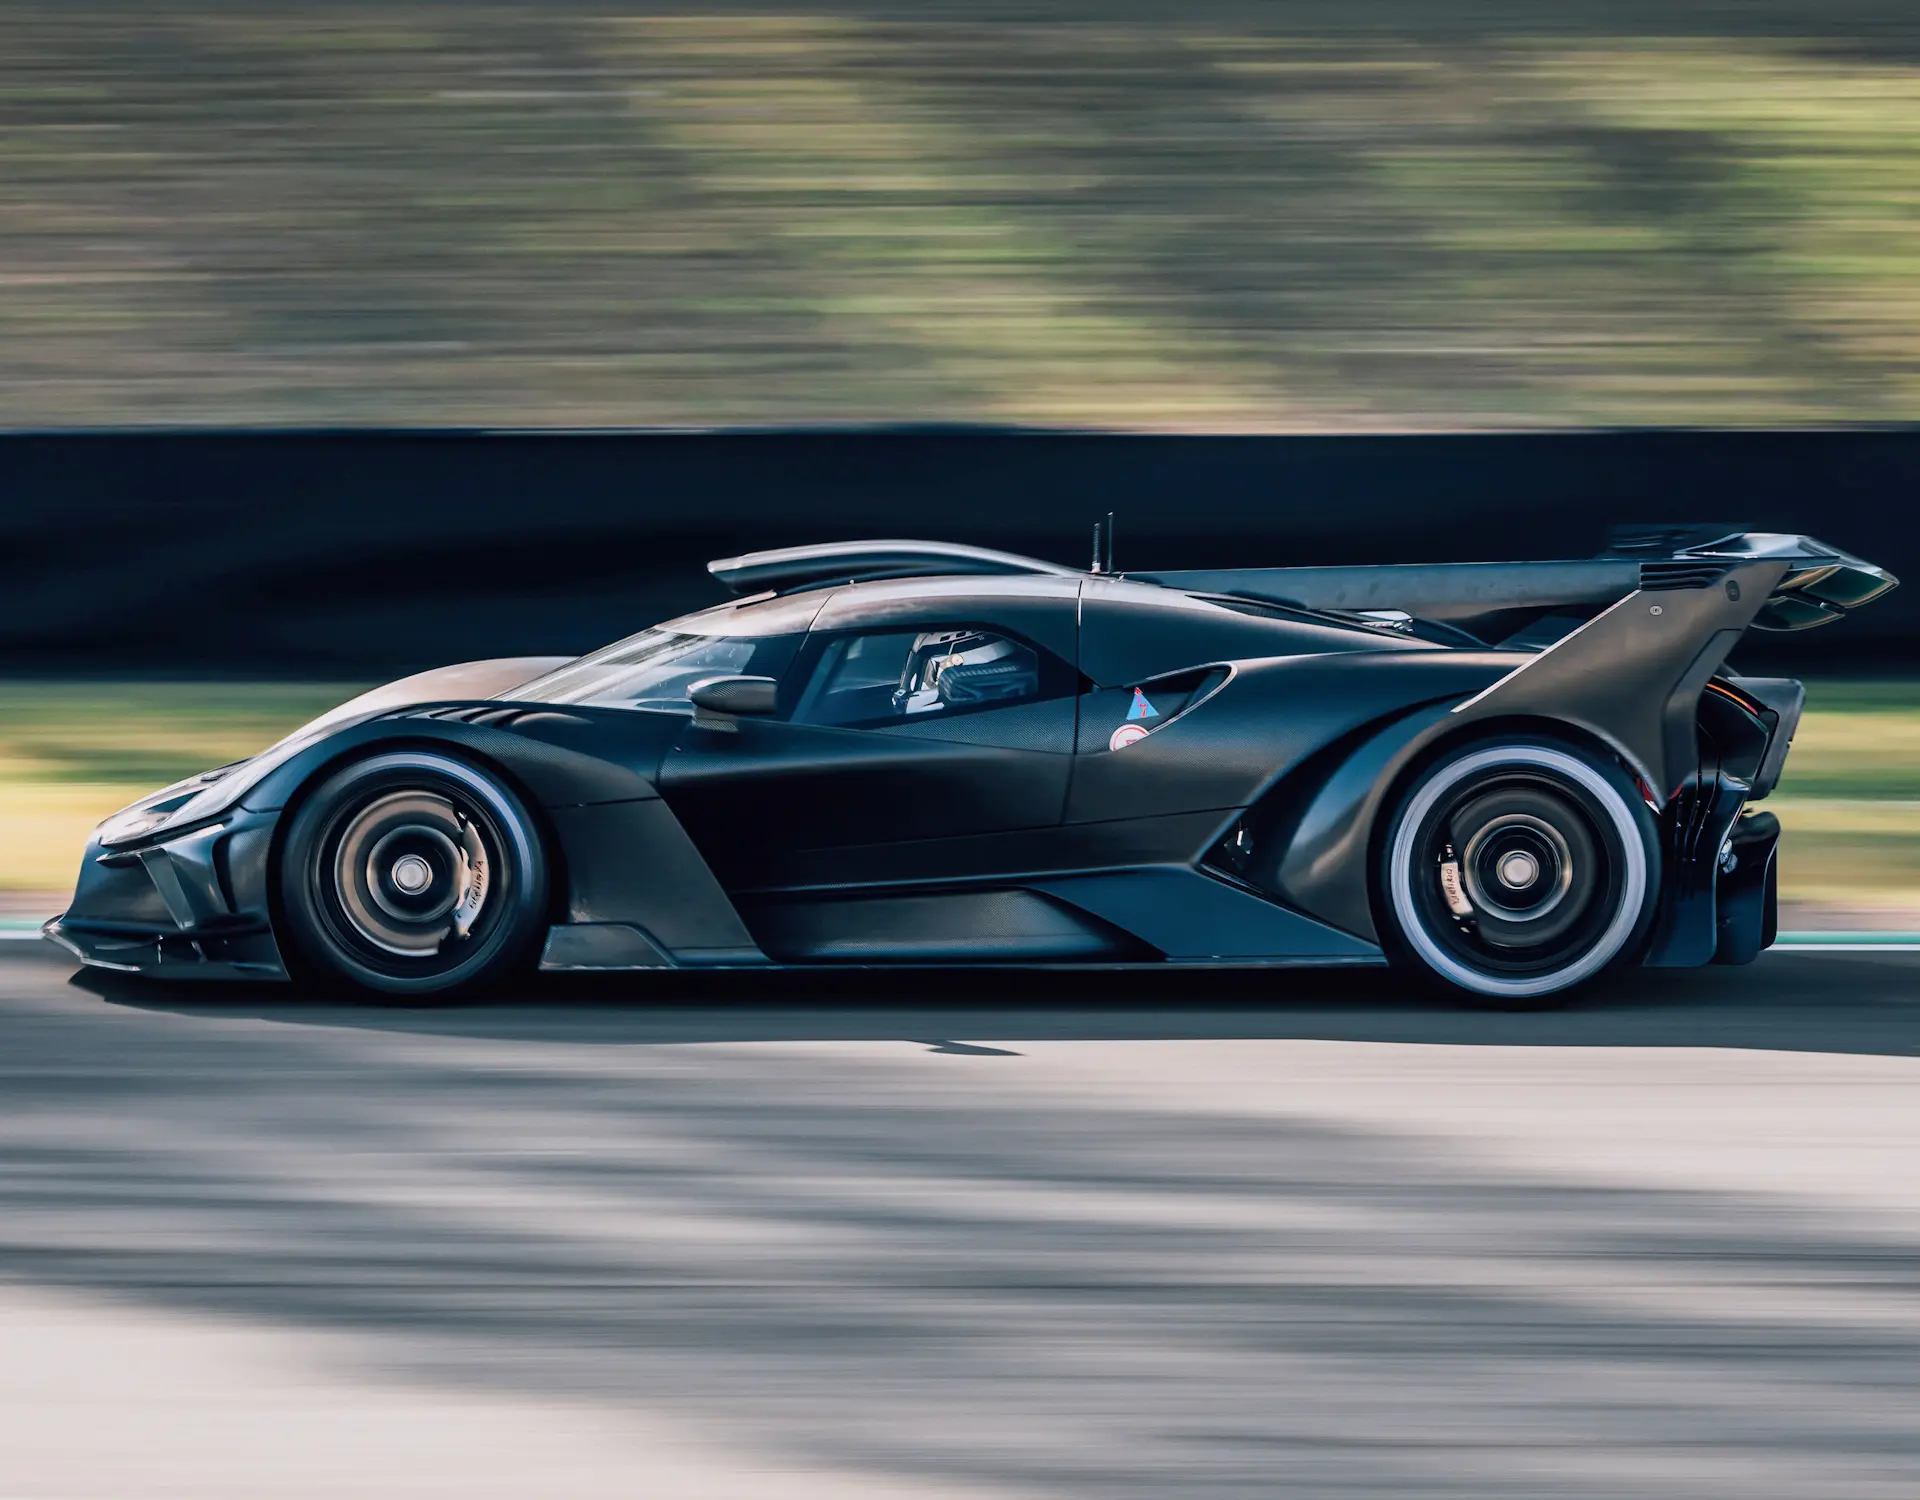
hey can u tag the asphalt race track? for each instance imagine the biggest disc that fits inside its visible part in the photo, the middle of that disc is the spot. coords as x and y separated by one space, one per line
954 1235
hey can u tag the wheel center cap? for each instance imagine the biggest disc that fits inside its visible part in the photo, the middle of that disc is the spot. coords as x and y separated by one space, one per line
1518 870
412 874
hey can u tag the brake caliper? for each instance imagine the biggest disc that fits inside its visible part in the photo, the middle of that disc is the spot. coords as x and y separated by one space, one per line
473 881
1450 885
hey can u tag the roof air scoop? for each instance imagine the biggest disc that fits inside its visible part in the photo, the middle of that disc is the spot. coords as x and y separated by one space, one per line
857 562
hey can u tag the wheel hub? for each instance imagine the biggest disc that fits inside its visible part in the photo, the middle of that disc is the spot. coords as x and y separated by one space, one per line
411 874
1518 870
1517 866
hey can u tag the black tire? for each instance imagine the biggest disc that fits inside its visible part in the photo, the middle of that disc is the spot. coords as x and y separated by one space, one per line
1518 869
414 876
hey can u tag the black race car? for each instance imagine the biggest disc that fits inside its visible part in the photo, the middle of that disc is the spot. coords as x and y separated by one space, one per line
1508 776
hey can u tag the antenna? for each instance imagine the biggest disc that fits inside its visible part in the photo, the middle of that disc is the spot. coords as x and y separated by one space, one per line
1109 567
1098 562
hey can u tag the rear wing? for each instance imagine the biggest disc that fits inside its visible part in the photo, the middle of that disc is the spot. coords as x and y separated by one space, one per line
1817 583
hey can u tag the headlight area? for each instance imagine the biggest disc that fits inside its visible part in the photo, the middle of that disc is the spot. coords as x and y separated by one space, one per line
139 821
136 824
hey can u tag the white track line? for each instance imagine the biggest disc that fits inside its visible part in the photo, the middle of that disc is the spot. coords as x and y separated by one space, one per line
1845 948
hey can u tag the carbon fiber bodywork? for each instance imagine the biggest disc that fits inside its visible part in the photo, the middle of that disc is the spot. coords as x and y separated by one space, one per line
1239 823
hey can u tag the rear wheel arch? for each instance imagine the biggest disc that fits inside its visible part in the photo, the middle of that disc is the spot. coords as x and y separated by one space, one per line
1453 738
1316 830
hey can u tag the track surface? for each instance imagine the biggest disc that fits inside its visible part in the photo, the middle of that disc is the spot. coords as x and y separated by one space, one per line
1090 1237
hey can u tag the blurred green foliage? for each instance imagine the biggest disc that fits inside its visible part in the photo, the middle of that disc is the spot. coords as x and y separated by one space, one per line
1206 215
146 734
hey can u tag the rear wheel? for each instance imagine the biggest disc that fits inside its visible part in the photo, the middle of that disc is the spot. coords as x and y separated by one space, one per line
413 875
1518 870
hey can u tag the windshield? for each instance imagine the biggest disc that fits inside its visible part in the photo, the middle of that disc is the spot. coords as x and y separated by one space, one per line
655 668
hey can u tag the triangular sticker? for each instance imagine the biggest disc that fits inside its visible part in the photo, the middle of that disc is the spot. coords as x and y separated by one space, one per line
1141 708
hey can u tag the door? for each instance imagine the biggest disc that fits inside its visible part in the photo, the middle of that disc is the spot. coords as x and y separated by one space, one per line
897 750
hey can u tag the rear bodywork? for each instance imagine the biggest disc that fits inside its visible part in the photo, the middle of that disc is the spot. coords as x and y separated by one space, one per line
1288 707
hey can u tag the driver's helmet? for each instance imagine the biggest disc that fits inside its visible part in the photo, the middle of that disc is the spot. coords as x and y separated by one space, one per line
955 667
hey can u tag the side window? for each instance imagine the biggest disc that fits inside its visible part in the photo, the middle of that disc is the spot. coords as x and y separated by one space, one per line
655 670
897 677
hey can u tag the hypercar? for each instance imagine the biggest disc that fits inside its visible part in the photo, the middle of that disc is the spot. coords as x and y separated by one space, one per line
1505 777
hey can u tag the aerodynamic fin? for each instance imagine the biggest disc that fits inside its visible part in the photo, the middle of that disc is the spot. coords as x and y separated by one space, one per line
1635 671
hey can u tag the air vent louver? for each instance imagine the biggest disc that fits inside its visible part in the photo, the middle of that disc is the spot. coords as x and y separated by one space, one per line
1680 575
472 713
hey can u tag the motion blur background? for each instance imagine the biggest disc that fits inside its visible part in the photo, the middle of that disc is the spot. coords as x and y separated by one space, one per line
1251 215
1381 240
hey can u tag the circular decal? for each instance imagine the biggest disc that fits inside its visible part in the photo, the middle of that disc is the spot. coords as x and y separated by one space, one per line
1127 734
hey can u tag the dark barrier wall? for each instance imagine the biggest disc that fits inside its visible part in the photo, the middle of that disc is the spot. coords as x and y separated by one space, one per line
365 554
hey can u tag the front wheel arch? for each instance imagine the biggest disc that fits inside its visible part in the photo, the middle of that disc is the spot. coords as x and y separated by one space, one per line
317 774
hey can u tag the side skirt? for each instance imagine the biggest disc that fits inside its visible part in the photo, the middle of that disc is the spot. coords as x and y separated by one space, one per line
1145 917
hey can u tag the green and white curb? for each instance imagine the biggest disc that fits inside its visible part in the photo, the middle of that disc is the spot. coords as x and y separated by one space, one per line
1848 942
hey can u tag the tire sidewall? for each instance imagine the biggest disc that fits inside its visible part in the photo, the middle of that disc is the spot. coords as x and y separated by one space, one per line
316 955
1628 819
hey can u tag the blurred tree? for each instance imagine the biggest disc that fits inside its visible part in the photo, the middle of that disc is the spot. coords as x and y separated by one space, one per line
1211 215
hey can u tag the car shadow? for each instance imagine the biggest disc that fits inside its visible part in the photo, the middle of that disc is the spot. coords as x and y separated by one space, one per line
1820 1002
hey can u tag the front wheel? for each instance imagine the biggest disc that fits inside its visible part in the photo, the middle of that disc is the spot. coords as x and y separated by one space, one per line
1518 870
413 875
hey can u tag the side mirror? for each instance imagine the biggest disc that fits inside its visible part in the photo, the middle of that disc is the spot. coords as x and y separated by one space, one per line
717 700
